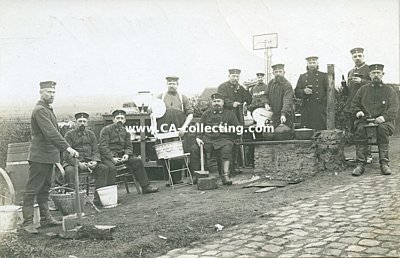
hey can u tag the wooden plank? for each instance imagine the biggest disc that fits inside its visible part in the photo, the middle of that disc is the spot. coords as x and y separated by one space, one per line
269 183
263 190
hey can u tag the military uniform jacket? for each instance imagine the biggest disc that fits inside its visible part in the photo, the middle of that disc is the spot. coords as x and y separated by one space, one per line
47 142
377 100
215 118
233 93
84 142
259 94
114 141
313 108
352 87
280 99
319 82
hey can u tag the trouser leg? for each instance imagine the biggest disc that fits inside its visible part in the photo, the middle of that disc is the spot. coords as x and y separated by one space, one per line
139 171
70 176
38 186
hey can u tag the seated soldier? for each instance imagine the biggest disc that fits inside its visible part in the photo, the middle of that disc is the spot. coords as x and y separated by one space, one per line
116 148
84 141
215 138
377 101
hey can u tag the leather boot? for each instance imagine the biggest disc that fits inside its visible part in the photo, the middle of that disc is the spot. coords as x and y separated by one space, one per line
27 213
46 220
384 159
361 154
30 228
149 189
225 176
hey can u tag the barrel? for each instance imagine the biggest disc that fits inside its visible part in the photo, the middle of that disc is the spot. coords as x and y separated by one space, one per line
17 167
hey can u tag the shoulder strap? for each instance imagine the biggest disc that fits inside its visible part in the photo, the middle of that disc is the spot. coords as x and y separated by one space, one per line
180 99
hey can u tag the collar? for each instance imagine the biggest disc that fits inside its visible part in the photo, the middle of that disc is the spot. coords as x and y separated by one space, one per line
42 103
378 84
117 128
80 132
359 67
172 94
218 112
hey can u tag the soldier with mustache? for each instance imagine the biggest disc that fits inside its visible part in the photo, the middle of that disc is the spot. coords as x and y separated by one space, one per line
44 152
377 101
280 97
116 148
85 142
218 143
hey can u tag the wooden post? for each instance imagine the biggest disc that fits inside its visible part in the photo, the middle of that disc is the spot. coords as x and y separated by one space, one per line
331 98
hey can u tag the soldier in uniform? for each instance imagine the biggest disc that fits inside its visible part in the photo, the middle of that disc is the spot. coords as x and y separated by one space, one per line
44 152
259 93
116 148
356 78
178 115
219 142
85 142
378 101
280 97
312 88
235 95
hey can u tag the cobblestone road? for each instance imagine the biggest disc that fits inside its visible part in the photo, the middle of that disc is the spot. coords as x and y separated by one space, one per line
358 220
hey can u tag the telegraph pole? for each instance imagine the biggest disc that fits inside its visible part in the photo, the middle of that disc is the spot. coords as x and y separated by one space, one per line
266 42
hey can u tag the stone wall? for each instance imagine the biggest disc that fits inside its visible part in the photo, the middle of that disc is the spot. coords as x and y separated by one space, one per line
295 159
330 150
287 160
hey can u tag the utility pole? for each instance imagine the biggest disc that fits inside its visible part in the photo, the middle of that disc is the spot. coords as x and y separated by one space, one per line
266 42
330 110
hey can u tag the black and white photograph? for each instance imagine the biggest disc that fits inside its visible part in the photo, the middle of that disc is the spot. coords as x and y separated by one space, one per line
190 129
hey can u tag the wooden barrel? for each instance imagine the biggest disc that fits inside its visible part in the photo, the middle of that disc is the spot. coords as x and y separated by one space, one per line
17 167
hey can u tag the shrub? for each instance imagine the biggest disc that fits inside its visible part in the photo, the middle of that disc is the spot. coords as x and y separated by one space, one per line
12 131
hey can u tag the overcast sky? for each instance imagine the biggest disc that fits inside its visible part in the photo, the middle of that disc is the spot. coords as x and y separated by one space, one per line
97 49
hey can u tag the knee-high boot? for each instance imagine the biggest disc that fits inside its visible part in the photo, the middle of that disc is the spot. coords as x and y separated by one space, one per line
361 156
384 158
225 176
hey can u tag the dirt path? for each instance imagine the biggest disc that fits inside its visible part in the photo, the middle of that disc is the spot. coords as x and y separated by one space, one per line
182 215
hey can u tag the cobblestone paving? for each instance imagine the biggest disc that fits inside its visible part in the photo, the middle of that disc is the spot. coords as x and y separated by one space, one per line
358 220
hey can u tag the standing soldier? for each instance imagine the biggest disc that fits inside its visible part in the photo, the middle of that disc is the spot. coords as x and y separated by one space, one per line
377 101
259 93
178 115
44 152
280 97
312 89
357 77
235 95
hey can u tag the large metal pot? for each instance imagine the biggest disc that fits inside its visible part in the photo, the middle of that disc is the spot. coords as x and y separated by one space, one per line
283 132
304 133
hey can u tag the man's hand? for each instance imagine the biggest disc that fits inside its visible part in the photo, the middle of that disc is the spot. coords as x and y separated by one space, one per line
182 131
360 114
116 160
267 107
73 152
199 141
236 104
308 91
125 157
283 119
82 165
379 120
92 164
356 79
